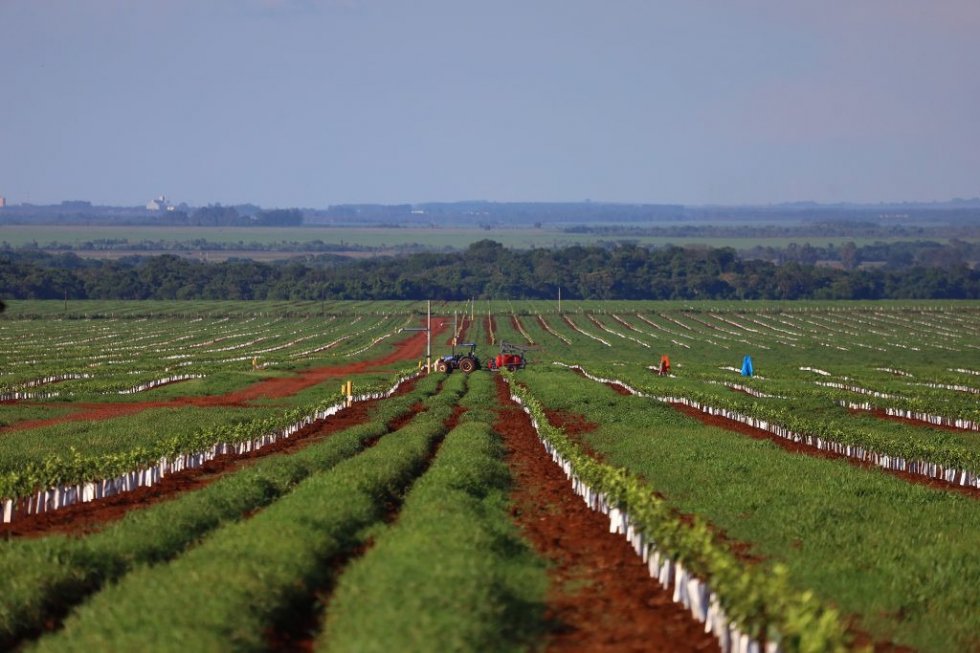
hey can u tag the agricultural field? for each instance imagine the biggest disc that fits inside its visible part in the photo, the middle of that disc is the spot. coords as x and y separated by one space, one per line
266 243
284 476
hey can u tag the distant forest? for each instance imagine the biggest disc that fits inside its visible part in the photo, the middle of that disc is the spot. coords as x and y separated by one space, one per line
485 270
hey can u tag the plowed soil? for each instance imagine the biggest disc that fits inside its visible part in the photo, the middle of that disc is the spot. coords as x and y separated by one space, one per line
602 597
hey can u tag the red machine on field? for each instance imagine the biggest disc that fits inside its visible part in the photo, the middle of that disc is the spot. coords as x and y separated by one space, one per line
511 357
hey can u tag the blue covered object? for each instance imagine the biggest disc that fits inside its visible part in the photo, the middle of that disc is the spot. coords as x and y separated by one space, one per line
747 366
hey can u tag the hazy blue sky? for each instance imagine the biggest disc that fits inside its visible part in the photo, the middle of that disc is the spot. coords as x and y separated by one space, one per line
316 102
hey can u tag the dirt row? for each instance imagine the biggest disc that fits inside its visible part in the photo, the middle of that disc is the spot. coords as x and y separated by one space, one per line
85 517
602 597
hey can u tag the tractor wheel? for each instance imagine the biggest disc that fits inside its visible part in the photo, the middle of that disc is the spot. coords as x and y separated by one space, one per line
467 365
442 367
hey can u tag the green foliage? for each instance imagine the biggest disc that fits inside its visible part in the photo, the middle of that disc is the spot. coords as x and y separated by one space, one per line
869 544
264 566
484 269
483 590
761 603
48 574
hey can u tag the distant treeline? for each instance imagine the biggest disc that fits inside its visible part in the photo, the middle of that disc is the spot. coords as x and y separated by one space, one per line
485 270
896 255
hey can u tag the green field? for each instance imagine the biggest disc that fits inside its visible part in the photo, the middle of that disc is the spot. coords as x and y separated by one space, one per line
242 239
816 553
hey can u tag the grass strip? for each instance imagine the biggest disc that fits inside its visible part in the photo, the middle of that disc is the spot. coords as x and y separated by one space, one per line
228 591
483 591
828 421
758 601
44 577
899 557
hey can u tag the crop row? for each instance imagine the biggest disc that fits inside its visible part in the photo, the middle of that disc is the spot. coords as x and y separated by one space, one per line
484 590
243 580
952 465
894 557
100 364
65 480
743 606
46 575
937 420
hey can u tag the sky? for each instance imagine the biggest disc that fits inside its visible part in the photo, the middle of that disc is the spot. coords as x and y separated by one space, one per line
310 103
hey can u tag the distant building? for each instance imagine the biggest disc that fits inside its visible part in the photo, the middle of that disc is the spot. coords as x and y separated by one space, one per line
3 201
159 204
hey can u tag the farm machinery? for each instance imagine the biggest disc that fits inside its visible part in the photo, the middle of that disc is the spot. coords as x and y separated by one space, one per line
466 361
511 357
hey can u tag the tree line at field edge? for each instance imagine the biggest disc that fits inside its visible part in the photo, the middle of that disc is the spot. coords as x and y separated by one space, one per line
486 270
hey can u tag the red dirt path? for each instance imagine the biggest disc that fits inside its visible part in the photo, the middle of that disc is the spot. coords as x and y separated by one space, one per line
412 347
602 597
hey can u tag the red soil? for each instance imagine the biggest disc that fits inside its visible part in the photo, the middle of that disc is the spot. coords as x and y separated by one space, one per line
576 427
594 320
82 518
602 597
412 347
571 423
619 389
